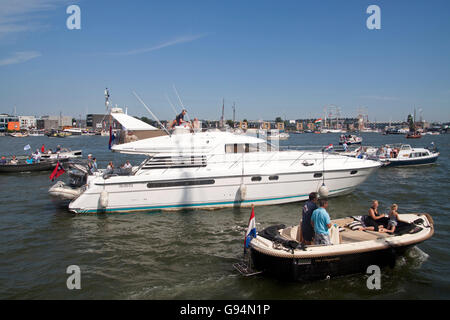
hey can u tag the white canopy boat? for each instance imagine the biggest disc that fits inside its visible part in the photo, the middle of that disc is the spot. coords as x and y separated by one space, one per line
213 170
405 155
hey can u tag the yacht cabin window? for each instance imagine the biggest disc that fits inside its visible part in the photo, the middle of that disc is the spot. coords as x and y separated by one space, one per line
237 148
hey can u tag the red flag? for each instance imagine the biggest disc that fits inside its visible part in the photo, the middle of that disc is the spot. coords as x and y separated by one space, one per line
43 148
59 170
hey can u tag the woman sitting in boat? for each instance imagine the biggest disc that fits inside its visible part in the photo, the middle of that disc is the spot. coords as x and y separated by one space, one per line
29 160
110 168
13 160
374 221
3 161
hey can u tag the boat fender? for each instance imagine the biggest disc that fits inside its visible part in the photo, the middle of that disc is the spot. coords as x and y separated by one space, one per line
104 199
242 191
323 191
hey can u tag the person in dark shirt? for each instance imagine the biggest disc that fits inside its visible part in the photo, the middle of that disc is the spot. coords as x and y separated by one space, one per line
179 119
306 231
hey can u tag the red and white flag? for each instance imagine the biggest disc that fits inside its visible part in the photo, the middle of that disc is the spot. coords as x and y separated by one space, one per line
59 170
251 229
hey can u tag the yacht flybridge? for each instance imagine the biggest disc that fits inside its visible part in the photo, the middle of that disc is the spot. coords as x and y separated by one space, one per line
211 170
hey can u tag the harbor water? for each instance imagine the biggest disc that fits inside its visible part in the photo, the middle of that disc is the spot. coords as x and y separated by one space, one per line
189 254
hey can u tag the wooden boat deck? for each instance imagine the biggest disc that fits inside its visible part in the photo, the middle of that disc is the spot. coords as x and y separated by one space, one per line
346 236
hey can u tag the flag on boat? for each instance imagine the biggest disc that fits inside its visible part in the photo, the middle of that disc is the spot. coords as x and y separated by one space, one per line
318 121
59 170
27 147
43 148
251 230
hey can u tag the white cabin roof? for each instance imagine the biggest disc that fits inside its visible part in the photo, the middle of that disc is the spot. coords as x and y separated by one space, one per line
131 123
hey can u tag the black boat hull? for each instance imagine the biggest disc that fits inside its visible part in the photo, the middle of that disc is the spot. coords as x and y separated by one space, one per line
413 162
298 269
23 167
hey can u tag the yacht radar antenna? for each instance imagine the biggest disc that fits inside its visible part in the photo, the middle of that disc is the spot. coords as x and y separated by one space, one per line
181 102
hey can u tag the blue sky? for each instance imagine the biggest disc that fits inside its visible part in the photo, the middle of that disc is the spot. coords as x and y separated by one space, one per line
272 58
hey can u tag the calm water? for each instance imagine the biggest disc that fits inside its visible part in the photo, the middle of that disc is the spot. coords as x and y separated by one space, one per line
189 255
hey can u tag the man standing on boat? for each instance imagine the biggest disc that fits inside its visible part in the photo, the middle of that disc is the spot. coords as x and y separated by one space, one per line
179 119
306 231
320 220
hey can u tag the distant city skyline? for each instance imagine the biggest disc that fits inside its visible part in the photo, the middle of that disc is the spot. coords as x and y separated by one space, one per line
285 59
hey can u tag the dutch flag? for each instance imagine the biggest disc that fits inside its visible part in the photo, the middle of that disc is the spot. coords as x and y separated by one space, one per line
251 230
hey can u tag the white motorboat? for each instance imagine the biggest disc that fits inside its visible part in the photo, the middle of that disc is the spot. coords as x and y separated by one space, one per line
350 139
361 152
64 153
327 130
405 155
275 134
74 131
36 133
18 134
213 170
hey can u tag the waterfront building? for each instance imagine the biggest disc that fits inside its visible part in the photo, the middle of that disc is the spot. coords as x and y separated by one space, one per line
27 122
100 121
5 119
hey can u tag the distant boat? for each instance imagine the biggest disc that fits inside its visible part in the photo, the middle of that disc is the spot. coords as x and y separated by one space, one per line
350 139
326 130
73 131
18 135
64 153
406 156
36 133
413 135
22 166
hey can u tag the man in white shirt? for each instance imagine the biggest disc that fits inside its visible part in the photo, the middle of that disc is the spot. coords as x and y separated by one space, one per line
388 152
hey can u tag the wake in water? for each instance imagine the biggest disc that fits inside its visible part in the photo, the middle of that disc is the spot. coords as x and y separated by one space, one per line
413 258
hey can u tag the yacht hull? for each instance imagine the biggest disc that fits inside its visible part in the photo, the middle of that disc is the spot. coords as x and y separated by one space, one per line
214 192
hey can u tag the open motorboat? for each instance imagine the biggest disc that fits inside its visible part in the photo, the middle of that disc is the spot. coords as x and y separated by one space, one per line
405 155
350 139
18 134
413 135
22 166
213 170
64 153
275 134
360 152
276 252
36 133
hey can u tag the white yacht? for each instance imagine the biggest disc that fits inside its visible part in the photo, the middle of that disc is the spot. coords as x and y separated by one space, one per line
211 170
